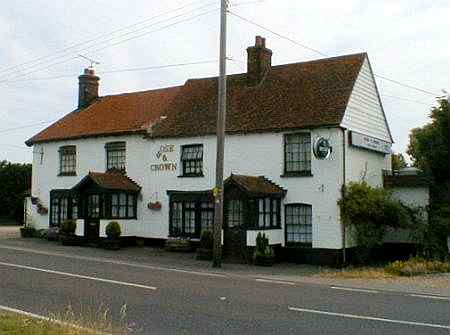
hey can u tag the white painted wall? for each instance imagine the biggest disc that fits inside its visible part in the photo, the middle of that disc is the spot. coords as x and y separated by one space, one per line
258 154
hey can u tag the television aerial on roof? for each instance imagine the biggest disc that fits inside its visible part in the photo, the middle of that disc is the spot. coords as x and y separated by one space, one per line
92 61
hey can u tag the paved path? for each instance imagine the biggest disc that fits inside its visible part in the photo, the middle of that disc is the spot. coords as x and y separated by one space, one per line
186 300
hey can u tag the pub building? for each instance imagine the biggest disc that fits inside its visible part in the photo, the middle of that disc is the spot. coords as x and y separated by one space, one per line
295 134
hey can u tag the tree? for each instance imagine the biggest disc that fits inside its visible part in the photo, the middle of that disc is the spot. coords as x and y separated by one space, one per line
429 149
429 146
15 180
398 161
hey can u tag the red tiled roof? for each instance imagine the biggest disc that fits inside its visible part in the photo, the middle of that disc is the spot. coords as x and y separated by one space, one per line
111 115
255 185
292 96
109 181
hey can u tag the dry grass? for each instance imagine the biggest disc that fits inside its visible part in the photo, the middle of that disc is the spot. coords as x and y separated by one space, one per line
67 323
356 273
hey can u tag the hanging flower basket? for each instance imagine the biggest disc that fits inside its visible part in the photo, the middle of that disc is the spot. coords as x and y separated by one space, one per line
154 205
41 209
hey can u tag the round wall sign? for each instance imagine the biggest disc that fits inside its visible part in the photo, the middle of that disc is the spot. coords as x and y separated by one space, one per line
322 148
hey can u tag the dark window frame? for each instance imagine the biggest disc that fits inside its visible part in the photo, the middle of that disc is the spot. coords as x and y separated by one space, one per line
273 213
309 234
107 206
119 161
57 200
201 210
67 160
191 163
235 215
306 172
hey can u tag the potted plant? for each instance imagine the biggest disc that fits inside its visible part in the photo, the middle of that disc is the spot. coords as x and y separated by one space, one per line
67 233
205 250
264 254
27 231
113 233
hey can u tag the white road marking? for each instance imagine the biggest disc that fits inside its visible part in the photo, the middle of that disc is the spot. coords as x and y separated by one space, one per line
354 289
371 318
274 281
45 318
74 275
429 296
109 261
223 298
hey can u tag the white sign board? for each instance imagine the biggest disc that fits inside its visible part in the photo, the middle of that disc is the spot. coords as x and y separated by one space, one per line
370 143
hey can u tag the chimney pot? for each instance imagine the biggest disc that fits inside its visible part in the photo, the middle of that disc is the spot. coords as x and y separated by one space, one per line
87 88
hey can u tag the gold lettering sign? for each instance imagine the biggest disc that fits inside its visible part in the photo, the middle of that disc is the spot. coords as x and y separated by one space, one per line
162 155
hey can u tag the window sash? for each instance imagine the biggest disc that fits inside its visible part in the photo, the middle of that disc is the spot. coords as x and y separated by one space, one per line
298 223
268 213
63 207
235 213
67 159
189 218
192 159
298 152
116 156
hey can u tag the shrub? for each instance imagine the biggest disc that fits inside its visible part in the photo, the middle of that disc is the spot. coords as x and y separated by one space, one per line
113 230
416 266
206 239
68 227
370 211
264 254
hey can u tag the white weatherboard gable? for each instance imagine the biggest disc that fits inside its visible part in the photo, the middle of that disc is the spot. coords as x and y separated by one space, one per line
364 113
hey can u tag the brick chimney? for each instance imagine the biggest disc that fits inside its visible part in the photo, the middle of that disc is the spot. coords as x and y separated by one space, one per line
88 88
259 61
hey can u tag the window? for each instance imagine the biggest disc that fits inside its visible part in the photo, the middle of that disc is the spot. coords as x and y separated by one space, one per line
298 223
67 160
235 213
122 206
192 160
63 206
268 213
297 154
189 218
115 156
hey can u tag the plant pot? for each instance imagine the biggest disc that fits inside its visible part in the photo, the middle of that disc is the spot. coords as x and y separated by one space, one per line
263 260
69 240
53 234
204 254
27 232
111 244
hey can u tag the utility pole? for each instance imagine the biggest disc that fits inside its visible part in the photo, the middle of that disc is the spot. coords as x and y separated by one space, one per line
221 112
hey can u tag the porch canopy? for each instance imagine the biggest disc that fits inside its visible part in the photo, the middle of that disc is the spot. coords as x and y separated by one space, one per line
109 181
255 186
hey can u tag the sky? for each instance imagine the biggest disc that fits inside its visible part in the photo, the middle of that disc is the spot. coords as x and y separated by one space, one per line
406 41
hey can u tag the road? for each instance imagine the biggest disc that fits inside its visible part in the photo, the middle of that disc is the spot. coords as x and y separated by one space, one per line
165 300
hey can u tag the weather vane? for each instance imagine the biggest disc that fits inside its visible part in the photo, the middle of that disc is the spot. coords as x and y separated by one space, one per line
92 61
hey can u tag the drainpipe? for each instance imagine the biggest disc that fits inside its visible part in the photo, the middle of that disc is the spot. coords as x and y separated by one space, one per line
344 256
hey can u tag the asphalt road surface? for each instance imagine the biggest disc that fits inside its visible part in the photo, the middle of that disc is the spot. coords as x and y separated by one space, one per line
173 301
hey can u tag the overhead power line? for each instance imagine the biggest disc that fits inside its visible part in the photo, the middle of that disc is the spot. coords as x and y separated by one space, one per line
99 37
135 69
27 126
121 41
324 54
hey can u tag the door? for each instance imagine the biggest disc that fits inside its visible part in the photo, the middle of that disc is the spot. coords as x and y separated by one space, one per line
92 221
235 232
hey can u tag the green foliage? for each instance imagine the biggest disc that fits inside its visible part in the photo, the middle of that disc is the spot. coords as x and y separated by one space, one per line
429 145
113 230
68 227
15 180
429 148
206 239
370 211
398 161
262 242
416 266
